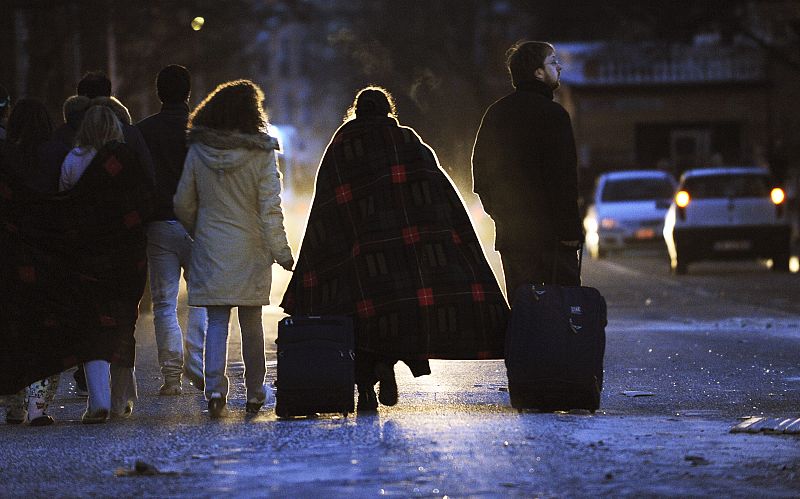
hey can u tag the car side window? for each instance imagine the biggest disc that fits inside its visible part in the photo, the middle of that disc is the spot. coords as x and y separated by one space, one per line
638 189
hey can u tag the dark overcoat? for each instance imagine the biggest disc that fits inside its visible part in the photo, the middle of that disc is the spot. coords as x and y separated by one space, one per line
390 242
73 270
524 170
165 136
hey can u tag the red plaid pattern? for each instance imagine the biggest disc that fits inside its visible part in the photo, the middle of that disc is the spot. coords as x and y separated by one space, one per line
113 166
356 249
411 235
107 321
10 227
310 279
425 297
398 174
456 237
477 292
27 274
365 308
344 194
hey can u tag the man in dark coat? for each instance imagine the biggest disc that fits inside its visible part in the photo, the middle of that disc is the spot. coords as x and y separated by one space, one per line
525 172
168 244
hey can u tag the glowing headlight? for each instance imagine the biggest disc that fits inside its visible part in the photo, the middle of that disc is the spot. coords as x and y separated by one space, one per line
777 195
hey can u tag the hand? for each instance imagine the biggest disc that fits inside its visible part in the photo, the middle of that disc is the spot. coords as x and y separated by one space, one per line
288 264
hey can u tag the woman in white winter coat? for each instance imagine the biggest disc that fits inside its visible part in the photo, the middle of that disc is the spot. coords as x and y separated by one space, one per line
228 198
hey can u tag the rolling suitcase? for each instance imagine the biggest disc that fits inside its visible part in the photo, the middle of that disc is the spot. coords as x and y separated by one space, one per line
555 345
315 366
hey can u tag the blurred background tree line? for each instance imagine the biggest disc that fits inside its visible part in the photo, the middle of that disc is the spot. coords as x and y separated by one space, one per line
442 60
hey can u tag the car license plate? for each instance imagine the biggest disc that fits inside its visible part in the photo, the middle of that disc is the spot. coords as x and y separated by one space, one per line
732 245
646 233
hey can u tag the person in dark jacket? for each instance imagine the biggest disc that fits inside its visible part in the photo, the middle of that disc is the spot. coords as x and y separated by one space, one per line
168 244
29 129
95 84
525 171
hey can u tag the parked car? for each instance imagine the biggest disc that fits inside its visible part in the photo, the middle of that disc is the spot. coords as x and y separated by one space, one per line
727 213
627 208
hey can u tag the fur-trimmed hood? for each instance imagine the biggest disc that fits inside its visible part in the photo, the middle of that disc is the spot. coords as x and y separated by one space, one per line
122 113
225 139
223 149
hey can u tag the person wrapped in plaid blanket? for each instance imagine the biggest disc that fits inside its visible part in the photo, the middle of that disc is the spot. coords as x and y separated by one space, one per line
390 243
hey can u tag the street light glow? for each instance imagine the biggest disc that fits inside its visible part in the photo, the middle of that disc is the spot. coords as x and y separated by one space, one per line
197 23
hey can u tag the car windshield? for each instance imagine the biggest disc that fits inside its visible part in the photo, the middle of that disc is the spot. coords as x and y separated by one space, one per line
727 186
637 189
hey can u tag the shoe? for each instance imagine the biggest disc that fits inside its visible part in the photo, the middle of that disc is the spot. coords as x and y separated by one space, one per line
367 401
126 412
43 420
253 406
216 405
95 417
16 415
387 384
171 387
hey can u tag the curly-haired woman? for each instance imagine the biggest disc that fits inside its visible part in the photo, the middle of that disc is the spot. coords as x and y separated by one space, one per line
229 199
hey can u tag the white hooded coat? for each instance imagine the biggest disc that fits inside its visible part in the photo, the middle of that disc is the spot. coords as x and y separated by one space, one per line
228 198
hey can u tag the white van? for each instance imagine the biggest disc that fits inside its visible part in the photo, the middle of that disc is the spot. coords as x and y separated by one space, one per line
727 213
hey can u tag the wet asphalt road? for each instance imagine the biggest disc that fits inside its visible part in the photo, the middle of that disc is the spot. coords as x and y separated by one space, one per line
714 346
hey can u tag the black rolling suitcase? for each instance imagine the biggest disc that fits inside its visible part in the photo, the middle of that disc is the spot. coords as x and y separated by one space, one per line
315 366
555 345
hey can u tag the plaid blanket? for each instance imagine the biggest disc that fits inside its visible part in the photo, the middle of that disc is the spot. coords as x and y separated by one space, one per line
390 242
73 269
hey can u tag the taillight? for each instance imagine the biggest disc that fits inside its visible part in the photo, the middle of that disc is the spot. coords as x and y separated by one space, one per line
682 199
608 223
777 195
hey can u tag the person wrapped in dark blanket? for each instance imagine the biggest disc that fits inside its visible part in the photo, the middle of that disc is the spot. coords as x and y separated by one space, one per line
390 243
73 270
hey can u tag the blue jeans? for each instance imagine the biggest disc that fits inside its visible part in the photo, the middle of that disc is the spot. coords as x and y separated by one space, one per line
255 359
168 251
111 387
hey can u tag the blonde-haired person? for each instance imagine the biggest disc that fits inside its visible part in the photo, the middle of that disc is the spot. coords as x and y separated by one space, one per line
228 198
112 388
99 126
